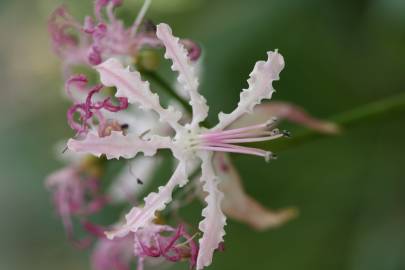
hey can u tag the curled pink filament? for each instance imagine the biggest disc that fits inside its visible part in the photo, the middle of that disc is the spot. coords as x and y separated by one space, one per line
89 108
170 247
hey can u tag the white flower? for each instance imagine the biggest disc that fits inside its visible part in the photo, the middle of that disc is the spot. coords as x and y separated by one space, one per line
191 141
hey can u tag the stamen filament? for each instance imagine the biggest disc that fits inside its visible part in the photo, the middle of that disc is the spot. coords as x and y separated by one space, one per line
236 149
242 135
256 139
240 130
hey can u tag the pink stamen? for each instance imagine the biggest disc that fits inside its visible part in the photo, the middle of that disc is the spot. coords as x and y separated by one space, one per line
88 109
239 130
80 81
256 139
219 136
168 247
225 141
236 149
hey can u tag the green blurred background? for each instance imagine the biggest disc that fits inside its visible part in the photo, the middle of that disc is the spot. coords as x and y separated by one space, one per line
339 55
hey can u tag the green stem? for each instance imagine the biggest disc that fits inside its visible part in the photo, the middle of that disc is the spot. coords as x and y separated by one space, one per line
361 114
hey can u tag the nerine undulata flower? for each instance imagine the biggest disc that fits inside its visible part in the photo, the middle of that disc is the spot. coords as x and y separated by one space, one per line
76 193
149 244
103 36
191 141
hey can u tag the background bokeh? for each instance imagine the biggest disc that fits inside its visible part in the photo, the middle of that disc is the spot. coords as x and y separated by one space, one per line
350 189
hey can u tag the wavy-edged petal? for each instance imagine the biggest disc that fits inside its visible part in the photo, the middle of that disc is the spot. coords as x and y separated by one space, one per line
239 205
118 145
214 219
187 78
138 217
260 87
130 85
288 111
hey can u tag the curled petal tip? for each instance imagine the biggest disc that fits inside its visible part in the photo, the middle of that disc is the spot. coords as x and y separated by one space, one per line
287 214
277 58
330 128
276 219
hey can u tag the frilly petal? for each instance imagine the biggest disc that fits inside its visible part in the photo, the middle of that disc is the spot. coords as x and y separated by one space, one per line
214 219
138 217
260 87
288 111
187 77
118 145
130 85
239 205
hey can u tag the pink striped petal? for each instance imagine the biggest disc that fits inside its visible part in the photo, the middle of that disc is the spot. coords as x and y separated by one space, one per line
260 87
130 85
118 145
187 78
138 217
214 219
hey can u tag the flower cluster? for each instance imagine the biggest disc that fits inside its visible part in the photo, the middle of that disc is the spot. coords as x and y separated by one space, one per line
122 118
76 192
191 142
103 36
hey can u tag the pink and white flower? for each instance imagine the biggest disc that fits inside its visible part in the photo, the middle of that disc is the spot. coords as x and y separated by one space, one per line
75 194
103 36
191 141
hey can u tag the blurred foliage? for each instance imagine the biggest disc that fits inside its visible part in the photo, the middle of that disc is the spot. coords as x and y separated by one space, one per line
339 54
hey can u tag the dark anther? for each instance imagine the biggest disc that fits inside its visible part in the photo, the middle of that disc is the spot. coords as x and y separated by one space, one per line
139 181
275 132
286 133
124 126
